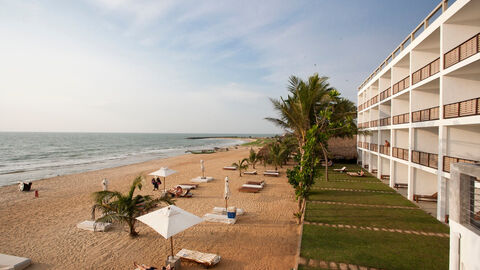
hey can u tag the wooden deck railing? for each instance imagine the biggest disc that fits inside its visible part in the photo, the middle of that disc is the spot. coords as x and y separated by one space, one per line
425 159
441 7
426 71
385 121
462 108
401 85
462 51
400 153
374 123
374 147
385 150
385 94
366 145
426 115
401 119
447 161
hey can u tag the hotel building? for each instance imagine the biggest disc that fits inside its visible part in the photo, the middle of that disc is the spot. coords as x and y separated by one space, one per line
419 111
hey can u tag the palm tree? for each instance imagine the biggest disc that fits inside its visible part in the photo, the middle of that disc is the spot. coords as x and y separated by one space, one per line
252 158
241 165
278 153
118 207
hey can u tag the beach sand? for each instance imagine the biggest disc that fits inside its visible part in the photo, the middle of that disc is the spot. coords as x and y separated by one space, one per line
44 229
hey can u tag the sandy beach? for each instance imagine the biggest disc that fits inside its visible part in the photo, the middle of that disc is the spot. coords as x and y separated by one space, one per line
44 229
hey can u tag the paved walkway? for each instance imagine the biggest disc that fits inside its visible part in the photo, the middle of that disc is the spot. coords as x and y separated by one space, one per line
332 265
355 181
355 190
365 205
377 229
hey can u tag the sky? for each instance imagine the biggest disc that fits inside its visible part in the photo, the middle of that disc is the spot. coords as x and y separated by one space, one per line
183 66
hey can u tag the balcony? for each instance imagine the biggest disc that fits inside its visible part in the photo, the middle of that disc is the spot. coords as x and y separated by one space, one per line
385 150
385 94
426 71
401 85
447 161
426 115
400 153
463 108
385 121
462 51
425 159
374 123
401 119
374 147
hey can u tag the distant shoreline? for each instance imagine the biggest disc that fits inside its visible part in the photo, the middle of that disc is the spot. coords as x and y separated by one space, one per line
223 137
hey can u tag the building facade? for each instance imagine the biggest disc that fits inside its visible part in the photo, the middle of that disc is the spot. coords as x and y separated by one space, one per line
419 111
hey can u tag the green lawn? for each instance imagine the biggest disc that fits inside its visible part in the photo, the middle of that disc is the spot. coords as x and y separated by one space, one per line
377 249
374 249
353 185
407 219
359 197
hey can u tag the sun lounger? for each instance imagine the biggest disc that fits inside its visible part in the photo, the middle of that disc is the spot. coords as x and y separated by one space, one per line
212 217
252 186
365 166
221 211
343 169
428 198
330 163
249 190
192 185
259 183
180 192
202 180
385 177
374 170
250 173
207 259
230 168
91 225
185 186
400 185
271 173
13 262
355 174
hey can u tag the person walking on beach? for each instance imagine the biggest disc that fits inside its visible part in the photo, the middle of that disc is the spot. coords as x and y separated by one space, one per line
155 184
105 184
158 182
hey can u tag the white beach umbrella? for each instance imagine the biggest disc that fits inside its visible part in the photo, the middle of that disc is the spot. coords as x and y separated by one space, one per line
163 172
226 192
169 221
202 166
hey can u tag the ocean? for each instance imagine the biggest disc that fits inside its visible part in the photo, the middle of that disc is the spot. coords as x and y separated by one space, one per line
29 156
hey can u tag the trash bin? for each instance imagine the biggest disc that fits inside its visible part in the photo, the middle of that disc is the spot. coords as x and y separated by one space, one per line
232 212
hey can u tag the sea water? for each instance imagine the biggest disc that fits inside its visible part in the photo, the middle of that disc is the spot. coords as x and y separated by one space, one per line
28 156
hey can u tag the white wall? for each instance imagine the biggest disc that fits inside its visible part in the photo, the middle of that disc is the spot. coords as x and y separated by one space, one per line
456 88
426 139
399 73
425 98
422 58
384 82
385 166
464 142
385 110
401 138
456 34
400 172
469 247
425 182
401 104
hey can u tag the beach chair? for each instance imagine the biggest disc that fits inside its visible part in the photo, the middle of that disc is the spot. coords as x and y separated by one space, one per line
186 186
427 198
207 259
252 186
221 211
180 192
343 169
230 168
14 262
400 185
385 177
249 189
356 174
219 218
374 170
330 163
271 173
192 185
91 225
250 173
259 183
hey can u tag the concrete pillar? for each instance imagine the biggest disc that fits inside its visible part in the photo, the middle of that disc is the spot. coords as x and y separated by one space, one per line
411 170
442 203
